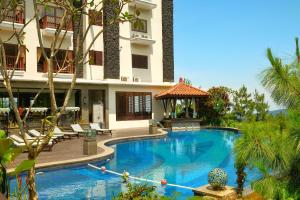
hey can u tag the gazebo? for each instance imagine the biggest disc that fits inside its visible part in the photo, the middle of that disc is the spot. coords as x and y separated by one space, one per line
184 92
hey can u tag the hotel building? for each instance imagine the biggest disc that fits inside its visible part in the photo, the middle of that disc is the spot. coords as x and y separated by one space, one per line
127 66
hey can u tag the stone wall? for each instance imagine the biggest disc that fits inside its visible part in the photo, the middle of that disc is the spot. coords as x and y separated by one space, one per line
111 42
78 32
167 38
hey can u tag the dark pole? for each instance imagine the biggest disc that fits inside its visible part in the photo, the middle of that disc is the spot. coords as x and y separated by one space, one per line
4 184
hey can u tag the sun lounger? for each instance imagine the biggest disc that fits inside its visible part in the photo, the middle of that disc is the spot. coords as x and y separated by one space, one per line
37 134
96 127
69 134
29 137
19 142
77 128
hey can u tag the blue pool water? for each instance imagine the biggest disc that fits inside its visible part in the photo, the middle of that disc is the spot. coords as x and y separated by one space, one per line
182 158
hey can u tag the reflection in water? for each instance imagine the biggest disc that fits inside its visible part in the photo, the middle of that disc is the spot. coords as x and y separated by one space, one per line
183 158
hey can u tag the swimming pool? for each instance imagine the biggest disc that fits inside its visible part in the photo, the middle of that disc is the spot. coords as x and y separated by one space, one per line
183 158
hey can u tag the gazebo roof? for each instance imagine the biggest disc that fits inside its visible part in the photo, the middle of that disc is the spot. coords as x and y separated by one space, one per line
182 90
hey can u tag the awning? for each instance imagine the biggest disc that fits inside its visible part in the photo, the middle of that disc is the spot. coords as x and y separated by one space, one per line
36 109
72 109
4 110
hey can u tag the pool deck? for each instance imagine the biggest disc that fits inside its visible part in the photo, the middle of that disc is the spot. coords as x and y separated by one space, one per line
70 151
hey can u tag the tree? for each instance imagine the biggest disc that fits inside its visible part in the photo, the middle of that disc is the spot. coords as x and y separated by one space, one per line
73 10
217 104
243 105
8 153
256 148
260 106
274 147
282 80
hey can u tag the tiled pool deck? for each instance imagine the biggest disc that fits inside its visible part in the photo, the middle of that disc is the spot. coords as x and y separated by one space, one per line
72 149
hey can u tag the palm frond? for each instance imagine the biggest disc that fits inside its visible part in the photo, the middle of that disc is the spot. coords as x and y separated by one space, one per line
282 81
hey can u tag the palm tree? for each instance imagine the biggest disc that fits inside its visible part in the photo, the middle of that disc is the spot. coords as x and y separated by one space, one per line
283 80
250 149
274 150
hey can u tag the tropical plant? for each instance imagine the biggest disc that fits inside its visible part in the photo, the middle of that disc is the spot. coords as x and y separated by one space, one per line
139 192
273 147
73 10
263 147
8 153
282 80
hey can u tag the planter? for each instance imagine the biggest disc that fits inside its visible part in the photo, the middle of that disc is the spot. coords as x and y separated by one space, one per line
90 142
152 129
89 146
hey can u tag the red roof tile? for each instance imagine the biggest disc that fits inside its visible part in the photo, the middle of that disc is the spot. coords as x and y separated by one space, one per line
182 90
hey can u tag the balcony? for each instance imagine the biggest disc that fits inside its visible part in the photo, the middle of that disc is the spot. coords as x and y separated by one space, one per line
143 4
61 67
141 38
51 23
12 19
11 60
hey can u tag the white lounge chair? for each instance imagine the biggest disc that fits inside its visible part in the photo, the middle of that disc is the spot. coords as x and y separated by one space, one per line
54 137
96 127
69 134
30 138
18 141
77 128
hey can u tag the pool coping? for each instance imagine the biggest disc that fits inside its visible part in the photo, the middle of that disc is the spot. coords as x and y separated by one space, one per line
222 128
108 152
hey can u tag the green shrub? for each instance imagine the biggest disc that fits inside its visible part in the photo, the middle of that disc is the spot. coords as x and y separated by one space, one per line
2 134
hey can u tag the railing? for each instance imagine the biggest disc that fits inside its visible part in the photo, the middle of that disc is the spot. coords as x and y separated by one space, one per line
11 60
63 67
54 22
16 16
59 66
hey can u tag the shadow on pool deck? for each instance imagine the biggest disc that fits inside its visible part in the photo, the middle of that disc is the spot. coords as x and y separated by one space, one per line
73 149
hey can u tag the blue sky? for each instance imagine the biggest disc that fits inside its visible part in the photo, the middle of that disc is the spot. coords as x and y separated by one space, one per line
224 42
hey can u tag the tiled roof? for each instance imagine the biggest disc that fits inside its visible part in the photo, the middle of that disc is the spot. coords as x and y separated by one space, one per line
182 90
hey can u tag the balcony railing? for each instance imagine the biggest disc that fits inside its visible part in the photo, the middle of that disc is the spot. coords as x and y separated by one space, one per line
11 60
59 66
16 16
54 22
63 67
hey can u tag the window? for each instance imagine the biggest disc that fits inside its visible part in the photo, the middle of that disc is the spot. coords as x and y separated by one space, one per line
96 58
139 61
63 62
133 106
139 25
11 53
95 17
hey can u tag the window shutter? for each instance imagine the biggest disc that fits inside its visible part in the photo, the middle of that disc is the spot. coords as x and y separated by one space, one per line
133 106
139 61
98 57
95 17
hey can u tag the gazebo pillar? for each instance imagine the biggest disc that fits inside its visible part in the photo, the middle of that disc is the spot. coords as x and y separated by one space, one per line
186 108
173 104
165 102
194 108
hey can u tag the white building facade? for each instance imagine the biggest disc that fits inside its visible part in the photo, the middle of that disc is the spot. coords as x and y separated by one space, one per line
119 81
